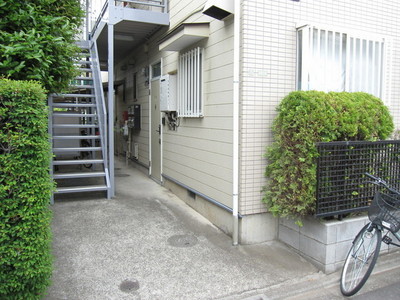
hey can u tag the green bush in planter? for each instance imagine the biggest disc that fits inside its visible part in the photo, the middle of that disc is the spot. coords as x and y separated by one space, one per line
25 189
305 118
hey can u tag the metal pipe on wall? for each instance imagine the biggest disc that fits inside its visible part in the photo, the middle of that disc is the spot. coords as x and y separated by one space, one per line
236 128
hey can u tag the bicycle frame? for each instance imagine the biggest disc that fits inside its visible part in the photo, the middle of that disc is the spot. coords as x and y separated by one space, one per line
365 250
388 240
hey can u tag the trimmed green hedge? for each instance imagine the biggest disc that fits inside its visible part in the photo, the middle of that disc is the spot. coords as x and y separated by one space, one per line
25 190
37 41
305 118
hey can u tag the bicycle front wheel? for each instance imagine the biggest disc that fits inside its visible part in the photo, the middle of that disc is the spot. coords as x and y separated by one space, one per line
360 260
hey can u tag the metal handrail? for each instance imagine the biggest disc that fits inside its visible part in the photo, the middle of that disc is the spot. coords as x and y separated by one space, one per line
99 18
100 106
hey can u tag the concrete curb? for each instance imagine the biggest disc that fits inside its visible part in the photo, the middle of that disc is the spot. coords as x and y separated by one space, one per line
322 286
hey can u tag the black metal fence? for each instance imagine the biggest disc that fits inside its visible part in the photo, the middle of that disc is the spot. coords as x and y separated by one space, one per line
341 183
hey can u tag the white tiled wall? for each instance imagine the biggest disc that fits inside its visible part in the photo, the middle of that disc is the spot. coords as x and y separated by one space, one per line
269 68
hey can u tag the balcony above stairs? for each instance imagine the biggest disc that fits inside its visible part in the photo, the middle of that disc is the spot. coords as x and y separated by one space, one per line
76 126
133 22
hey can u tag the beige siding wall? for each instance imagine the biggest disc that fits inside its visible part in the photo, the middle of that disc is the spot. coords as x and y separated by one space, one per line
199 153
269 68
125 71
139 60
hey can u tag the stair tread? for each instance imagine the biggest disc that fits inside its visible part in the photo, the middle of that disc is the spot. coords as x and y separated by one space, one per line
75 126
83 78
78 175
77 162
69 104
76 149
83 62
75 137
60 114
88 188
82 86
85 69
83 44
75 95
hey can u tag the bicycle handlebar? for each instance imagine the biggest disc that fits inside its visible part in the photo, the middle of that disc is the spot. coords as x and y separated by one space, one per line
373 177
381 182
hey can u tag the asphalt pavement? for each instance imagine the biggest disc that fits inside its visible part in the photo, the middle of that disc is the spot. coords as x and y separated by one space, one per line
147 244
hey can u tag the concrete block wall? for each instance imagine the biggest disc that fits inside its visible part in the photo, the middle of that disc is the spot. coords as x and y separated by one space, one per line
324 243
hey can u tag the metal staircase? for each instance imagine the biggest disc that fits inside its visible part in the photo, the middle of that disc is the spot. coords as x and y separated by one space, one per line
77 126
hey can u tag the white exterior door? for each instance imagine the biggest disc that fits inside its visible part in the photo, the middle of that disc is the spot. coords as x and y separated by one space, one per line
155 133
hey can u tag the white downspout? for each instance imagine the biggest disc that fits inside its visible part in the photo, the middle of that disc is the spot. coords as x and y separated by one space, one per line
236 99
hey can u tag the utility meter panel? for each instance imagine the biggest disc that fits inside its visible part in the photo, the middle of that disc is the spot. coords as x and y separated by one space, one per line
168 95
134 116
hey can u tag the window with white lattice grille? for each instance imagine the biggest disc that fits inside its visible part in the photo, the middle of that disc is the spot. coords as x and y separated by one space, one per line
190 84
332 60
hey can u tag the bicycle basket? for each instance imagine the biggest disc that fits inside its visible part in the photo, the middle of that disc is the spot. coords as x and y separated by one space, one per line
385 210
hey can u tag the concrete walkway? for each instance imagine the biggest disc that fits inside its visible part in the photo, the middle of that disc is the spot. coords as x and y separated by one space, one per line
147 244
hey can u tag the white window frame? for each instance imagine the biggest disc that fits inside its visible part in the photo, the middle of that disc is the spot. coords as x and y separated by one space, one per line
318 65
190 83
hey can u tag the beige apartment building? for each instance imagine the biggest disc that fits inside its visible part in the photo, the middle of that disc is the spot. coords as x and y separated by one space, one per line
197 84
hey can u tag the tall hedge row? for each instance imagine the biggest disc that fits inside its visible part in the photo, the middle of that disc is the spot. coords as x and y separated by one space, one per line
25 189
37 41
305 118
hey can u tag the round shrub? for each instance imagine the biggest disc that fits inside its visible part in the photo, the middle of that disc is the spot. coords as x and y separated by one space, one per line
25 190
305 118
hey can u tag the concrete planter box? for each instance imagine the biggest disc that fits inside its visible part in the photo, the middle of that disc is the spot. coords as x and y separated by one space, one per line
324 243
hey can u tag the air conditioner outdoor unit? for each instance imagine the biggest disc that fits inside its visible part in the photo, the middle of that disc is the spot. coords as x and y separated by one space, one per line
219 9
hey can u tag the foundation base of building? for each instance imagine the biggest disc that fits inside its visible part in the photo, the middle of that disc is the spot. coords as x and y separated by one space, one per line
253 229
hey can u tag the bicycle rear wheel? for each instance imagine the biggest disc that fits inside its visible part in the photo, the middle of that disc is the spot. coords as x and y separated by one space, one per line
360 260
86 155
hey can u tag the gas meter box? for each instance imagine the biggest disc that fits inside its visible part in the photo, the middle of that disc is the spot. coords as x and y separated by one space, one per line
168 95
134 116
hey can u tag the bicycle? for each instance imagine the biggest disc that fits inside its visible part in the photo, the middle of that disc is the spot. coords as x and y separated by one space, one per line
384 215
85 155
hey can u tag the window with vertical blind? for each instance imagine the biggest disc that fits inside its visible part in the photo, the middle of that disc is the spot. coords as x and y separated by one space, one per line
190 84
330 60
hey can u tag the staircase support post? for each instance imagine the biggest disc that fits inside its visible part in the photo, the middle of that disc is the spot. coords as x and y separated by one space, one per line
111 192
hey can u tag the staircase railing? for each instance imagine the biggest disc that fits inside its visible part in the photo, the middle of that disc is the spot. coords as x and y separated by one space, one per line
101 108
95 19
